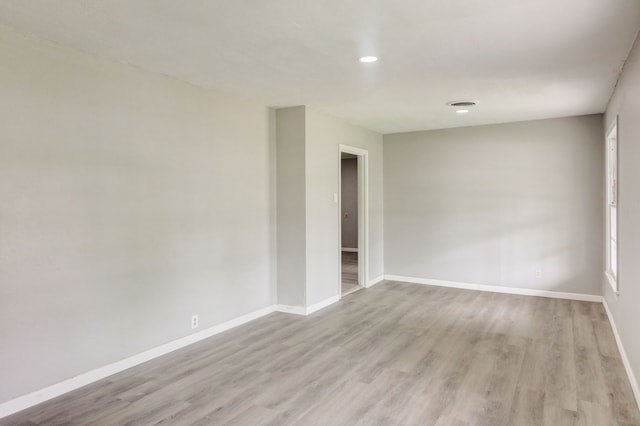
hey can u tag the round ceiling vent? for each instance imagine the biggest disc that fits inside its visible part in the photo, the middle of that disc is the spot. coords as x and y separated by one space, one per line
462 104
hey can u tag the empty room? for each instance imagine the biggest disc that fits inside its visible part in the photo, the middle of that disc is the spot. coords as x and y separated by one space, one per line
291 212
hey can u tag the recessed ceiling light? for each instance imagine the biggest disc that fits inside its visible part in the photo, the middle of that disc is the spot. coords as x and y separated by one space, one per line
462 111
368 59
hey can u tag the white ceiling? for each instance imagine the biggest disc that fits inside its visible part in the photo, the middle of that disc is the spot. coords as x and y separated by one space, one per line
521 60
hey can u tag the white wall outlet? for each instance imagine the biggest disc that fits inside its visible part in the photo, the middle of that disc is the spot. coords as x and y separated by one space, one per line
194 321
538 273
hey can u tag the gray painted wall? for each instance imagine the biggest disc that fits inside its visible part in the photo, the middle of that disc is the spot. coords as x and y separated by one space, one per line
492 204
291 221
118 220
316 251
324 136
349 202
624 309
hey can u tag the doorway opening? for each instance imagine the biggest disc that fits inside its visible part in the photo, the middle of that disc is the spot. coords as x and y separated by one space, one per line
353 218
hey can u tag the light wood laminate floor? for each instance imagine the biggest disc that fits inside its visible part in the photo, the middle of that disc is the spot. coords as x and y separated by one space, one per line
394 354
349 273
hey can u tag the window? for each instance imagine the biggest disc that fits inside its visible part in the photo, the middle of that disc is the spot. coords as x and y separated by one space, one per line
612 207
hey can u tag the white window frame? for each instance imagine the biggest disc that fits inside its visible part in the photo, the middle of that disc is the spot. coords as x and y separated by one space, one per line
611 242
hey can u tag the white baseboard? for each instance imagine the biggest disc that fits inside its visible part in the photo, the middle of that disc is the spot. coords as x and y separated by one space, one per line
323 304
307 310
290 309
623 355
497 289
375 281
350 249
22 402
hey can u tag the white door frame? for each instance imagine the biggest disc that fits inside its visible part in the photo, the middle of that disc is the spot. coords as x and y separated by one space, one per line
363 212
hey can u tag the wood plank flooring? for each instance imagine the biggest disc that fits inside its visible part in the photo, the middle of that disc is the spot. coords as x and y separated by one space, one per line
394 354
349 273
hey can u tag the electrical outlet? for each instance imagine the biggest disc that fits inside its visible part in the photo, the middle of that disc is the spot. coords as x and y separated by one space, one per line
194 321
538 273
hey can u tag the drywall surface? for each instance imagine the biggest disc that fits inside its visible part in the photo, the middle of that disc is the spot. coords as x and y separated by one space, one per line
625 104
130 201
324 134
523 60
493 204
291 217
349 202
